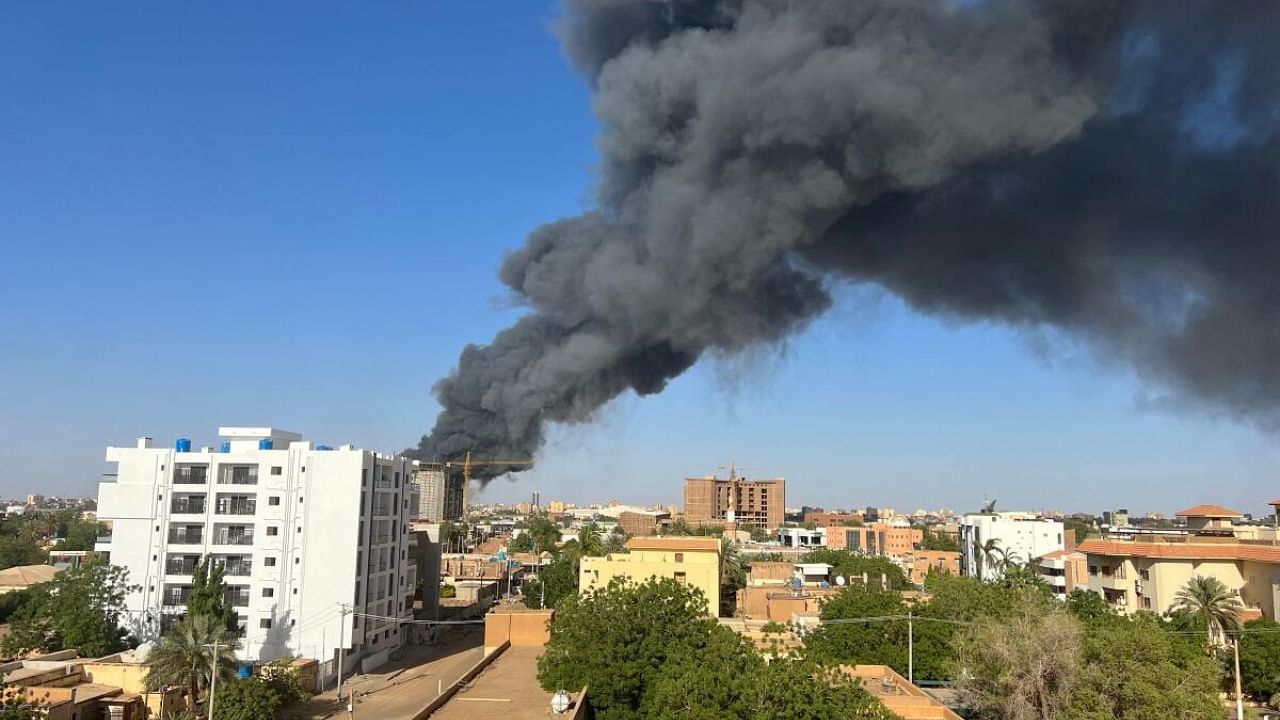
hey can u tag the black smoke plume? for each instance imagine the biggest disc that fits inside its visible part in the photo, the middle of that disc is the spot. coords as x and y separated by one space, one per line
1105 168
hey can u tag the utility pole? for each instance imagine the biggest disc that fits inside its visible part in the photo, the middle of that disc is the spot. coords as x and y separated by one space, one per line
1239 696
351 704
342 643
213 678
911 649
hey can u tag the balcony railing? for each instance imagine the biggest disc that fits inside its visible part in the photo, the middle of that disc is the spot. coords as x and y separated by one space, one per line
238 475
181 566
186 537
187 506
238 568
103 539
236 507
177 597
227 537
190 475
238 598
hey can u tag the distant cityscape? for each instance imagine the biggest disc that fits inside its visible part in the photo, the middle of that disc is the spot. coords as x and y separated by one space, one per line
349 557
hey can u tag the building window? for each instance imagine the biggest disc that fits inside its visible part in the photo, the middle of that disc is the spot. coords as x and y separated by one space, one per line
299 499
680 557
1093 570
299 528
681 578
297 560
272 531
1146 574
275 469
265 623
1146 603
269 561
268 592
273 500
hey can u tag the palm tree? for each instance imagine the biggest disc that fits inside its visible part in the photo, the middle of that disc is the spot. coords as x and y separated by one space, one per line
184 656
616 542
589 541
733 576
1209 598
986 555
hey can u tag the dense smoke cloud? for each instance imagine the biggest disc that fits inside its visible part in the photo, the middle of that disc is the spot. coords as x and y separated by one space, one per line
1109 169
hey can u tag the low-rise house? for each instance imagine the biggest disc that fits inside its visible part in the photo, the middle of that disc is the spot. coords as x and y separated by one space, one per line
689 560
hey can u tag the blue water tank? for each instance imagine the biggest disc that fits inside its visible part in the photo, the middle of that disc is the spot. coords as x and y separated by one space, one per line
246 672
183 445
324 447
264 444
225 446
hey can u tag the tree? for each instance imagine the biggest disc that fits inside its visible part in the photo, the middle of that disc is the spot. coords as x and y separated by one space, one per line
250 699
1260 659
16 551
79 609
853 566
590 541
184 656
615 542
544 534
209 593
80 534
555 581
726 678
878 641
1088 606
284 679
1208 598
1082 528
1021 668
987 554
522 544
448 591
938 540
616 639
756 532
11 601
733 577
1133 668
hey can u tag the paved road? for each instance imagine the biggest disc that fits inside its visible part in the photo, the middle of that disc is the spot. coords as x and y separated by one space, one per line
399 689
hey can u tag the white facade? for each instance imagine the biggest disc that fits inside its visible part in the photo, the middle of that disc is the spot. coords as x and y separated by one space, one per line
314 540
1019 537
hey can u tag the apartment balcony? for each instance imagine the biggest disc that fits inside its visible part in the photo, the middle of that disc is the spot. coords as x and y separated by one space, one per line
176 596
190 475
238 568
188 506
238 475
1115 582
181 566
233 536
188 537
245 506
238 597
1056 581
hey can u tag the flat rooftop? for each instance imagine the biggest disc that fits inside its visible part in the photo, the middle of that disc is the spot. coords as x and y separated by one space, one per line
506 688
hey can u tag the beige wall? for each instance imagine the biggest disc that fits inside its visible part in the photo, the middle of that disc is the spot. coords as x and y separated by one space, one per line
700 568
523 629
1166 576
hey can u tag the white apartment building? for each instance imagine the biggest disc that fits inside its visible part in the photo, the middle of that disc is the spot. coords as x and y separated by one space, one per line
314 540
1019 537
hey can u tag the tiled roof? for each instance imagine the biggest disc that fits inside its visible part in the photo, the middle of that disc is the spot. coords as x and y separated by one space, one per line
26 575
674 543
1182 551
1210 511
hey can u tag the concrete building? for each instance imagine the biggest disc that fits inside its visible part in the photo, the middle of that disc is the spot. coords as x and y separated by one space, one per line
691 560
643 522
1145 570
875 539
441 493
1064 570
1018 537
314 540
710 500
918 563
822 518
22 577
802 537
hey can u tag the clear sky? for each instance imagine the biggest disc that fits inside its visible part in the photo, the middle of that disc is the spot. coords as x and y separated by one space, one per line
291 214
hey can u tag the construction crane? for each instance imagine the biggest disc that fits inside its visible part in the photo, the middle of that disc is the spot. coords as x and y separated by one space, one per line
466 464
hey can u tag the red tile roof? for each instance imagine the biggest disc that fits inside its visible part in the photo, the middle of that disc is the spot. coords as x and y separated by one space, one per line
1182 551
1210 511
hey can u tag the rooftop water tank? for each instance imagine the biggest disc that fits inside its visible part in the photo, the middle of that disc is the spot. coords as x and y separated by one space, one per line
324 447
264 444
225 446
182 445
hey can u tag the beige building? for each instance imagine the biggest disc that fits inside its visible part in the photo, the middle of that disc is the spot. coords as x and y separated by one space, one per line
1064 570
1145 571
712 500
690 560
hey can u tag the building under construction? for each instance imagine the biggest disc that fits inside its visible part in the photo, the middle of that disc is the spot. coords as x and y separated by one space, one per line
443 495
712 500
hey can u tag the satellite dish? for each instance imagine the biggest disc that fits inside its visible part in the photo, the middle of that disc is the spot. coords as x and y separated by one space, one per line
840 580
142 652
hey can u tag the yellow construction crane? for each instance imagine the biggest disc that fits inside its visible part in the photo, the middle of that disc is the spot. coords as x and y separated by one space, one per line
466 464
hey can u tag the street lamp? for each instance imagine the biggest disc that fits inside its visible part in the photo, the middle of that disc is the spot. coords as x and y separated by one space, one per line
560 702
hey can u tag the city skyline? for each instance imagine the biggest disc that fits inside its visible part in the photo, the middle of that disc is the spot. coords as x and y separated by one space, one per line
188 260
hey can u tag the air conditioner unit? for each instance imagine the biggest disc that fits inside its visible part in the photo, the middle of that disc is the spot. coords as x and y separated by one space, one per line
1137 587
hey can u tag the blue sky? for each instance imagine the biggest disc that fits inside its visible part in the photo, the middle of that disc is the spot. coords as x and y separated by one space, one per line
292 214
